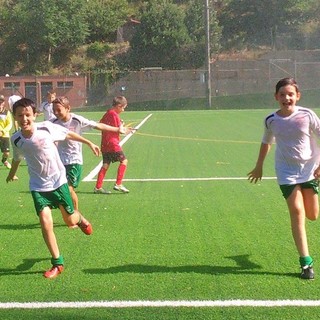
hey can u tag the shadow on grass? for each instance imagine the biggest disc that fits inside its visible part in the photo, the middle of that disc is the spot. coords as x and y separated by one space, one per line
113 193
30 226
244 266
23 268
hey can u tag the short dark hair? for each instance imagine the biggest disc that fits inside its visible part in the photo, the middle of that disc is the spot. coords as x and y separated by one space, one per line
24 102
286 82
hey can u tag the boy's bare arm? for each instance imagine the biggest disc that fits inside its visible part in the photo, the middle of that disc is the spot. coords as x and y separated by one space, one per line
105 127
256 173
12 173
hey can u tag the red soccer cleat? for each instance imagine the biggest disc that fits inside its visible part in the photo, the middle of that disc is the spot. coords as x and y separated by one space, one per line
85 226
53 272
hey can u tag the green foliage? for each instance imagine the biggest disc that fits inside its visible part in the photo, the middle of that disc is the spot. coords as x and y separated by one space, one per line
98 50
38 36
248 23
159 37
38 31
104 17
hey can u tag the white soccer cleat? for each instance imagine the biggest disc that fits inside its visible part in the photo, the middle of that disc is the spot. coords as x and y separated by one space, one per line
121 188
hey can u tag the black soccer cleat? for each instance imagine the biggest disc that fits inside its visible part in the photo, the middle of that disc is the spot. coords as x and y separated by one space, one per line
307 273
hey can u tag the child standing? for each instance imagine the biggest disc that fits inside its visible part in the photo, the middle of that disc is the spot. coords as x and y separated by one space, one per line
296 163
46 106
71 151
110 147
5 127
48 183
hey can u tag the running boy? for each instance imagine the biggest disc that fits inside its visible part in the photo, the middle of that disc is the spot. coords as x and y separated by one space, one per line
48 183
5 127
110 147
71 151
296 163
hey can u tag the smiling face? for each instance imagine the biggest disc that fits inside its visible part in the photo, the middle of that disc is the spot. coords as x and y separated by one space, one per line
287 97
25 118
61 112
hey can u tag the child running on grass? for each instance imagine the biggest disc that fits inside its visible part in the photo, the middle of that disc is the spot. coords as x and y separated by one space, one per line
296 163
48 183
71 151
110 147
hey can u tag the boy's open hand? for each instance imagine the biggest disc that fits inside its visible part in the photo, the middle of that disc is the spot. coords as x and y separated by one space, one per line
255 175
96 149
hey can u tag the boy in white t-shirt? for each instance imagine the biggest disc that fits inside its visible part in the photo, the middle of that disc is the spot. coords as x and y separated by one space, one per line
71 151
48 184
297 158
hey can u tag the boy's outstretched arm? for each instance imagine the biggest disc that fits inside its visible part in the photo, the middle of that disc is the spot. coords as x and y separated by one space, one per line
76 137
256 174
105 127
12 173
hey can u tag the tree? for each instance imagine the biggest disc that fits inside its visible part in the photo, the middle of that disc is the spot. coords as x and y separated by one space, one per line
104 17
160 36
195 22
251 23
39 36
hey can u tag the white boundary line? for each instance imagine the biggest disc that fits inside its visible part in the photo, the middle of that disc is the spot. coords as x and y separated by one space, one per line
94 172
160 304
185 179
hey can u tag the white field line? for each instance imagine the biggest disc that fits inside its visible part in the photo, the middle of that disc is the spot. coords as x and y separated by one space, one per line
183 179
160 304
94 172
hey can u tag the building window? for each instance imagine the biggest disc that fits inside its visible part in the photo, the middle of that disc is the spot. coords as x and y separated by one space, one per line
11 85
65 84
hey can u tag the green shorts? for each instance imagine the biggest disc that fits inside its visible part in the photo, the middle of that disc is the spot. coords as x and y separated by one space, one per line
74 172
288 188
53 199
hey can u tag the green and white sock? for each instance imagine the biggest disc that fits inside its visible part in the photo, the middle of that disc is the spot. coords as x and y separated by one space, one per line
57 261
306 261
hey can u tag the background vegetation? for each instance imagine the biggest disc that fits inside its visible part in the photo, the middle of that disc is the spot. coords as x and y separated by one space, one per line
38 37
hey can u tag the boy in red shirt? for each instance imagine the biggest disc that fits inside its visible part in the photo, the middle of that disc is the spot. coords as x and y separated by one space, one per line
110 147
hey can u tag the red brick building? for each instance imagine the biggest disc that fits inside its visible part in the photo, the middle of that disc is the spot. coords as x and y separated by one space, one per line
36 87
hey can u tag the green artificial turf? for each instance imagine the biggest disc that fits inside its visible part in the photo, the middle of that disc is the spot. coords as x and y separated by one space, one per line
191 228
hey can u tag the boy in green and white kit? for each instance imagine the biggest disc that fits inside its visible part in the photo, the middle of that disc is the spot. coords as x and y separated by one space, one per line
71 151
48 184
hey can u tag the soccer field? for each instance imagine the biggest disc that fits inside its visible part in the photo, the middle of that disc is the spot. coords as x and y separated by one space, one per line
192 240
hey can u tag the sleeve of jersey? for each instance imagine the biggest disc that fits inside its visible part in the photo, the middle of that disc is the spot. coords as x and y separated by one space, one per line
315 123
57 132
86 124
268 137
16 153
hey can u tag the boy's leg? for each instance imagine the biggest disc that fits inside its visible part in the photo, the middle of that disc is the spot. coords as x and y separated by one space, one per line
49 237
74 197
101 175
121 171
120 174
48 233
296 205
311 203
76 219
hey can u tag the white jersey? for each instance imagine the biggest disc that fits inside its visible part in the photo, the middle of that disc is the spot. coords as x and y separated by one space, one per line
47 109
71 151
45 168
297 153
